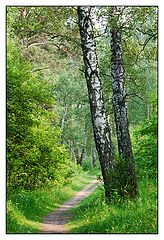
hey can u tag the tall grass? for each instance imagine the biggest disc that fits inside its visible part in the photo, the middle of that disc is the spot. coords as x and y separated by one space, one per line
25 209
94 215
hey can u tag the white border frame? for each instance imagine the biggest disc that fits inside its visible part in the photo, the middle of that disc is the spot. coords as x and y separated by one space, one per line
3 5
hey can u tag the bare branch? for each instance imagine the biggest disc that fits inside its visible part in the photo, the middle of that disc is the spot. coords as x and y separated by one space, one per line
40 69
82 70
133 95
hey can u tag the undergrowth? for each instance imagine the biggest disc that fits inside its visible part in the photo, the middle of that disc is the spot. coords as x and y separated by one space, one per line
94 215
26 208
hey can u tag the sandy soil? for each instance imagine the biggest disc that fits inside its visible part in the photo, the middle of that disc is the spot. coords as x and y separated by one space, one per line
54 222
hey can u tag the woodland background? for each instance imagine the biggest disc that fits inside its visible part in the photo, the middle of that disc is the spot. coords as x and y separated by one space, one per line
50 143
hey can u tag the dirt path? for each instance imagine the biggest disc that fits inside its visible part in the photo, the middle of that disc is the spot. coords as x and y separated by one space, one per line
54 222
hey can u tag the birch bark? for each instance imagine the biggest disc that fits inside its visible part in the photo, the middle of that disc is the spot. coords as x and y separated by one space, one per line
99 121
120 110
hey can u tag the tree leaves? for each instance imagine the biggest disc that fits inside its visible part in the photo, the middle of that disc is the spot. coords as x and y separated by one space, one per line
34 150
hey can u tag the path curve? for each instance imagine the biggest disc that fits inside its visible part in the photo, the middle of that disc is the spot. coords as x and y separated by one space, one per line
54 222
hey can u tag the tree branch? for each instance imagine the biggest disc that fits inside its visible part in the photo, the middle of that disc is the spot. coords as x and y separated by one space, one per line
133 94
40 69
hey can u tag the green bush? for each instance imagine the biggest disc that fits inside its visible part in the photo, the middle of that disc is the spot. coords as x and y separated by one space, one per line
87 165
145 148
35 155
120 180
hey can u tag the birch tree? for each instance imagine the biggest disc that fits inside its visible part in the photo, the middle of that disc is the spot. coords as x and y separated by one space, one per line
119 105
99 121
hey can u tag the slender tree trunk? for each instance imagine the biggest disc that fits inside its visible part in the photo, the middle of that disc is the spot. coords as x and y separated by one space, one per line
83 155
120 111
71 147
76 152
99 121
83 151
63 118
93 156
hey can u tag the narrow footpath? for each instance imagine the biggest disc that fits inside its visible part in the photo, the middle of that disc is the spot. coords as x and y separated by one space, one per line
55 221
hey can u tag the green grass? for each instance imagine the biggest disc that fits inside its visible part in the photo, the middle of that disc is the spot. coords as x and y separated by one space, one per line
95 171
25 209
93 215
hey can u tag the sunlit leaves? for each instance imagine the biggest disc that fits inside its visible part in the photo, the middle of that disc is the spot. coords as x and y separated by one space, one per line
34 151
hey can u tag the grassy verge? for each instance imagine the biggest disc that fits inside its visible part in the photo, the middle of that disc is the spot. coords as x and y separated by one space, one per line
25 209
93 215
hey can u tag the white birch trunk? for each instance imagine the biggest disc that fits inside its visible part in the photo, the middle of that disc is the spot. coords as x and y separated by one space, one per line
99 121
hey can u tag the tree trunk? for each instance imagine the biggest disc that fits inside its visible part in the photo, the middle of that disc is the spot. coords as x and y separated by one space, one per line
63 118
93 156
76 152
120 112
99 121
71 148
83 155
84 150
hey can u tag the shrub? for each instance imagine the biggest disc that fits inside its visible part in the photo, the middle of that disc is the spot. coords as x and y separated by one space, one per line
144 139
35 155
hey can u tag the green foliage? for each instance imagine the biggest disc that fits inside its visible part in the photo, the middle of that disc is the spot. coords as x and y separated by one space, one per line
35 155
139 47
25 209
94 215
58 59
144 139
38 24
36 159
120 180
87 165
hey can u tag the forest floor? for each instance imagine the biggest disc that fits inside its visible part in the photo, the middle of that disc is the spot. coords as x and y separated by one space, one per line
55 221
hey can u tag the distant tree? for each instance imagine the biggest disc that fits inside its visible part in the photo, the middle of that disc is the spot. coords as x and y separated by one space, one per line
93 156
